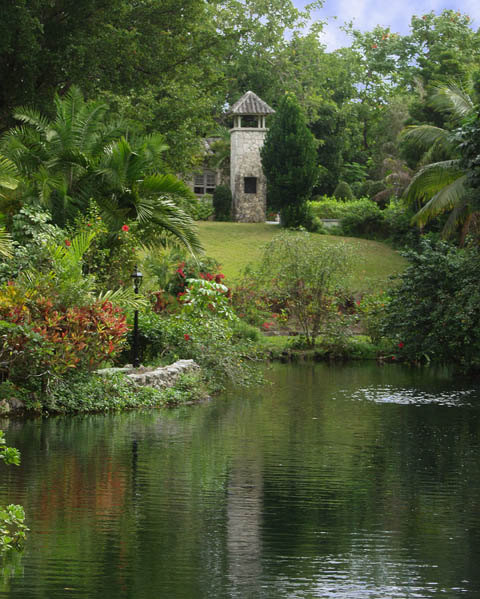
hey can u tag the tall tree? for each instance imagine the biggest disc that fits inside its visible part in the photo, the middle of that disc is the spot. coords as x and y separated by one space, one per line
289 162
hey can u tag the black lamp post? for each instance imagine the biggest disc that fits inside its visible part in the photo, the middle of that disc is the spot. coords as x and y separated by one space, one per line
137 281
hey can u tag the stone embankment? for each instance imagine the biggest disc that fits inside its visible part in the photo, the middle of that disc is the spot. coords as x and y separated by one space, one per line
159 378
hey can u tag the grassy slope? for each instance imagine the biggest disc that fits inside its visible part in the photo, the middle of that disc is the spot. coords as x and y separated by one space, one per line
235 245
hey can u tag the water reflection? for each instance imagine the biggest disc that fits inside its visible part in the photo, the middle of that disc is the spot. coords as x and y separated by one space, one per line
343 482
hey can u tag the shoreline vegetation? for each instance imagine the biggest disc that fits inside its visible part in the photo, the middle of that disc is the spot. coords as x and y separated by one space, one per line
270 313
112 389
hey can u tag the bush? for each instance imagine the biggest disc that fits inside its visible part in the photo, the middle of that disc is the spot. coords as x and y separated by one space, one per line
222 203
302 277
434 312
193 268
364 218
398 225
40 339
199 208
221 348
343 191
327 207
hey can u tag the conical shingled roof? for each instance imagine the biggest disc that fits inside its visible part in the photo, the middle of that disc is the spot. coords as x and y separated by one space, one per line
250 103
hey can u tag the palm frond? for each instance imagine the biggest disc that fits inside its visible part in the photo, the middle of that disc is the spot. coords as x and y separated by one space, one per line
446 199
164 185
34 118
453 100
153 146
125 297
80 244
166 217
425 136
457 216
115 163
9 176
6 247
431 179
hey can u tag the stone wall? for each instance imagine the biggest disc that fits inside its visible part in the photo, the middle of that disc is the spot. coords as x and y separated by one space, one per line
245 161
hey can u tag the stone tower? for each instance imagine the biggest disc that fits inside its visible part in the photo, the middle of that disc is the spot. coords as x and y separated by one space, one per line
247 181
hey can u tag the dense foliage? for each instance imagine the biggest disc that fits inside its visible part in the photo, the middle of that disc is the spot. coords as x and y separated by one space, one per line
434 312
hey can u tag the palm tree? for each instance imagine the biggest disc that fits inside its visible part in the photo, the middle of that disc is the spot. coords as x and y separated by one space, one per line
81 155
133 191
441 185
54 156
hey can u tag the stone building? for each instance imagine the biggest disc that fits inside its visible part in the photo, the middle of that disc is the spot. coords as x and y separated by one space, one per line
247 181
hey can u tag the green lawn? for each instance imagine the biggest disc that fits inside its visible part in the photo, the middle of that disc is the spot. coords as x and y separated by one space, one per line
235 245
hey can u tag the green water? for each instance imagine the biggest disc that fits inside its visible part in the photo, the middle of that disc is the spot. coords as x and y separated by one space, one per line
346 482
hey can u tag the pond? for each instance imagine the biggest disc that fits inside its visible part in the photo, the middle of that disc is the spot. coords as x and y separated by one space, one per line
352 481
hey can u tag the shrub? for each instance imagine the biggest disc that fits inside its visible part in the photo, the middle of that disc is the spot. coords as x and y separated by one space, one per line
203 298
219 347
40 339
372 309
364 218
193 268
199 208
398 224
343 191
303 276
222 203
435 310
327 207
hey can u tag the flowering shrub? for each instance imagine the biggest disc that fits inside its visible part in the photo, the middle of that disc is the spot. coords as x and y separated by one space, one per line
204 268
251 302
40 339
204 297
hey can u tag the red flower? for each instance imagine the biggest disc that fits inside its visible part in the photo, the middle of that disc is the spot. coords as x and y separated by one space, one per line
267 325
89 224
209 276
219 277
125 228
400 345
180 272
374 46
68 243
186 337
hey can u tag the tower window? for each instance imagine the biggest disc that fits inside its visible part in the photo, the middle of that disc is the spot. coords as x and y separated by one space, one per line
250 121
250 184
